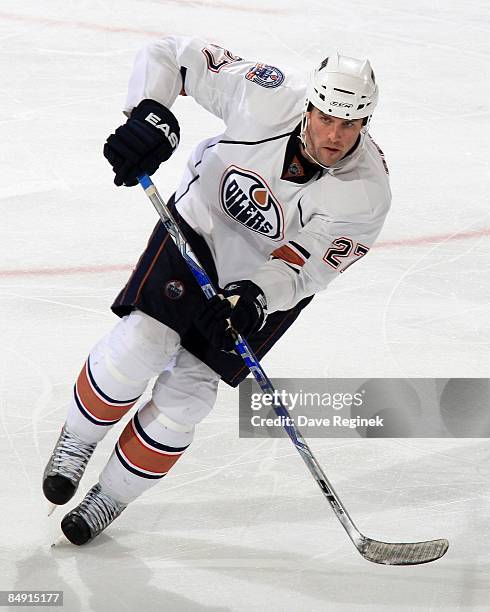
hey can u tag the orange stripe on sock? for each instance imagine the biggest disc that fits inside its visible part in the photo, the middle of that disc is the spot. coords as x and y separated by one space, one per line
137 453
93 403
287 254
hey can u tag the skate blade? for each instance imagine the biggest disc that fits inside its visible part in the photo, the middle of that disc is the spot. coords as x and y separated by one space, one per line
60 541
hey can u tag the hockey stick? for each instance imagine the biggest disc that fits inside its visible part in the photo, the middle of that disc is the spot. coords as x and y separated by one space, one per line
379 552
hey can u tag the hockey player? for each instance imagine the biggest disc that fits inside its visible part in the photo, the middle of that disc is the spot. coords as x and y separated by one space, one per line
287 198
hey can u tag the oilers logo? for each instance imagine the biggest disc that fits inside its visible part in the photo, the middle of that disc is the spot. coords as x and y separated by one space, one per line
266 76
246 198
174 289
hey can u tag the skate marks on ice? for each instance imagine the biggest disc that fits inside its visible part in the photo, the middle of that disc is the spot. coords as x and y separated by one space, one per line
106 577
183 564
430 340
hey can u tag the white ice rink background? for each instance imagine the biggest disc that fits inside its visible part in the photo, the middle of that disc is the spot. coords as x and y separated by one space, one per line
239 525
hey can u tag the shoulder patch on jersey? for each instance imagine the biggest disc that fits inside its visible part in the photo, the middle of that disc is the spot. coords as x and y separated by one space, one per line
217 57
247 199
264 75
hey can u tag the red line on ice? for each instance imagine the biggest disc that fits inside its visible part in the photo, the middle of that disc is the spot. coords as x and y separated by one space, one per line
431 239
68 271
104 269
78 24
126 30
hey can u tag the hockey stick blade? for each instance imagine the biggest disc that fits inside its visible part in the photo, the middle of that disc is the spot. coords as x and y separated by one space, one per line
402 553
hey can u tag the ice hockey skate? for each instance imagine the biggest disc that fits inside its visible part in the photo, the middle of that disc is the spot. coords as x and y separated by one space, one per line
65 468
96 511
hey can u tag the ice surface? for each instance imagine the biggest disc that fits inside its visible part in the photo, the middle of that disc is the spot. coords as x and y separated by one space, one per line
239 524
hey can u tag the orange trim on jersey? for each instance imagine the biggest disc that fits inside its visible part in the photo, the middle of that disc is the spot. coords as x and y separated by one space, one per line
287 254
143 457
93 402
155 229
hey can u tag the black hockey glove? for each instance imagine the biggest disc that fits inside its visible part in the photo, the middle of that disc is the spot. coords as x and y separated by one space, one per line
212 320
245 308
148 138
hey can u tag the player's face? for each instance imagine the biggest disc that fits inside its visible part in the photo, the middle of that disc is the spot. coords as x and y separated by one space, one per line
329 138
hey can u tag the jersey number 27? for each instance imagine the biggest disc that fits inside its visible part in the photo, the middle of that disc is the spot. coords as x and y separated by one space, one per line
343 248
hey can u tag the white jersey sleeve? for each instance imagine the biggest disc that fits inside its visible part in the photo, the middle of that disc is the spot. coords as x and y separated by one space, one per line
190 66
322 250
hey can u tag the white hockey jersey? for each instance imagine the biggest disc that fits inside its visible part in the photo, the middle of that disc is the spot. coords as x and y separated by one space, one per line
266 214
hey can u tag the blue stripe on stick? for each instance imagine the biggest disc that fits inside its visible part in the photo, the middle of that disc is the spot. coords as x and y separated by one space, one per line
145 181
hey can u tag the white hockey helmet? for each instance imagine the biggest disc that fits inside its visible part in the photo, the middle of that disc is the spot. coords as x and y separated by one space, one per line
344 87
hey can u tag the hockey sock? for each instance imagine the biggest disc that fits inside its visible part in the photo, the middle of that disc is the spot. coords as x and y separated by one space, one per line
147 449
